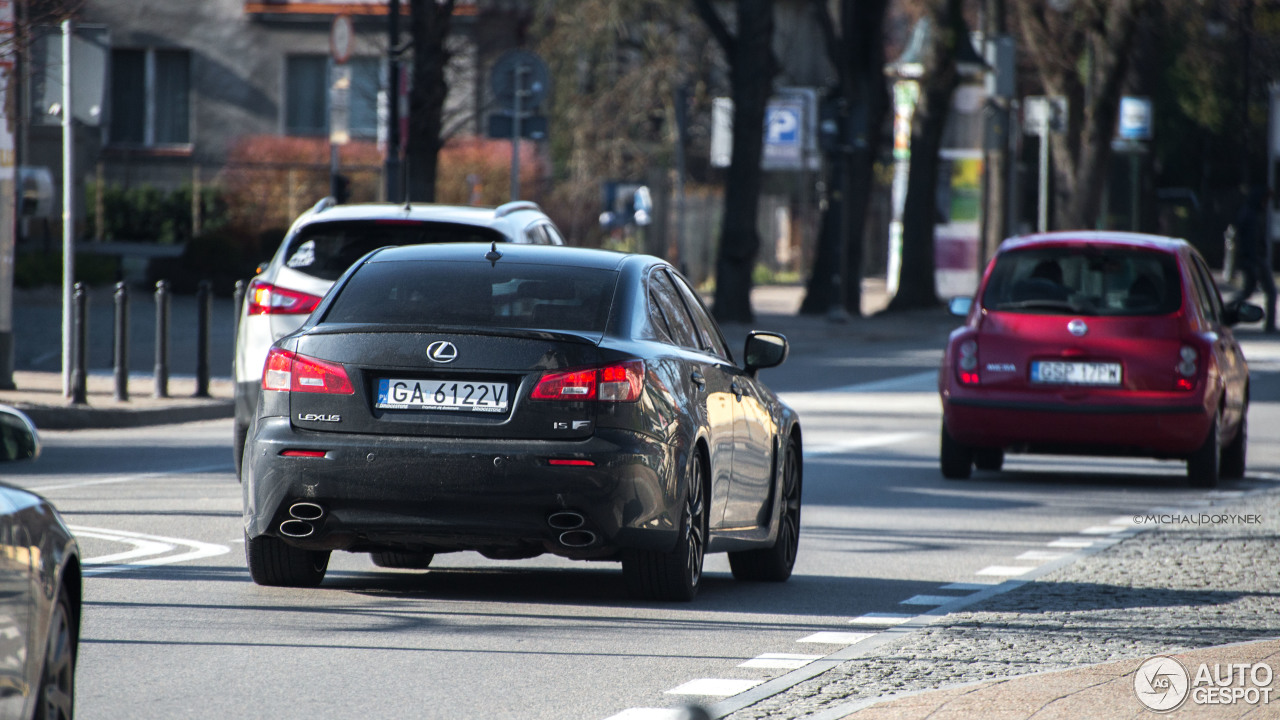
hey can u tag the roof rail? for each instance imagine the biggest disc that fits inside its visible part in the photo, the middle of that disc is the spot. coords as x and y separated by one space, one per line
324 204
508 208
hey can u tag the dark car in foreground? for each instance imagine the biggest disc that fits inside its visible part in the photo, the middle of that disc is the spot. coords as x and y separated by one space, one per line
517 400
40 591
1097 343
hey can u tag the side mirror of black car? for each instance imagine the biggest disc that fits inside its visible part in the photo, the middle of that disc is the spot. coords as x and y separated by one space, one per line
764 350
960 306
18 437
1242 312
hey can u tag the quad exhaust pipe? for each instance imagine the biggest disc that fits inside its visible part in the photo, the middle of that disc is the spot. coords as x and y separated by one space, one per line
565 520
301 517
577 538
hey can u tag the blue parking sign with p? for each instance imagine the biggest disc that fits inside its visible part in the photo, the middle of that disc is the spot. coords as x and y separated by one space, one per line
782 126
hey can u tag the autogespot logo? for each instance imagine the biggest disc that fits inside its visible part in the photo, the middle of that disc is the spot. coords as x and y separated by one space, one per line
1161 684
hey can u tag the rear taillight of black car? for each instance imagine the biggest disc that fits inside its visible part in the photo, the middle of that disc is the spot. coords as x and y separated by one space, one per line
291 372
615 382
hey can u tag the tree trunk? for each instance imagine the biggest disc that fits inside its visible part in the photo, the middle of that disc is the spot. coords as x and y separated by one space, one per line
750 55
916 285
429 27
858 56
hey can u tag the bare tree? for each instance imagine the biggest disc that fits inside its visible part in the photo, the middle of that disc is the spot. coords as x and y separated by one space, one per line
751 70
1081 52
429 28
855 48
916 285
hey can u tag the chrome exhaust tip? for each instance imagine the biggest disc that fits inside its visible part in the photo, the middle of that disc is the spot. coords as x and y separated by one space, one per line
565 520
577 538
296 529
306 511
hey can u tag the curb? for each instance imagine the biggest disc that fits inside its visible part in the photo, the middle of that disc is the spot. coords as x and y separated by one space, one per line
48 417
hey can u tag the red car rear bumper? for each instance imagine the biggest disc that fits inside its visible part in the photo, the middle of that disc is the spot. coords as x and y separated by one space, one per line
1168 429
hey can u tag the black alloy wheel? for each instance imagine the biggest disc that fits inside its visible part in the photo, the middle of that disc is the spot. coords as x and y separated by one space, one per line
402 560
1203 469
775 564
674 575
956 458
56 700
272 561
1232 463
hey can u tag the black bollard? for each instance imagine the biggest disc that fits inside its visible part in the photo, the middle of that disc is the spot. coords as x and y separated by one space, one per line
79 338
162 339
204 307
121 348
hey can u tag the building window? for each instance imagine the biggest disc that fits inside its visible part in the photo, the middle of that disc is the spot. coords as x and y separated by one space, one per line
150 97
307 79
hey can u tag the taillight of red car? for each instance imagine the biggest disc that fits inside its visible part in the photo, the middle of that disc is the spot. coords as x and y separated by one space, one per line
616 382
263 298
967 363
1188 367
288 371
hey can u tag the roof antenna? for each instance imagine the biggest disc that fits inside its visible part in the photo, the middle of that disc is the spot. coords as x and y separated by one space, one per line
493 255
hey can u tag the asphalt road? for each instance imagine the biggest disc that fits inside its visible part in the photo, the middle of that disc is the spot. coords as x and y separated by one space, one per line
174 625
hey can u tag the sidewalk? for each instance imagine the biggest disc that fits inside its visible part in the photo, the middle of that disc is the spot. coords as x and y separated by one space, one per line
39 395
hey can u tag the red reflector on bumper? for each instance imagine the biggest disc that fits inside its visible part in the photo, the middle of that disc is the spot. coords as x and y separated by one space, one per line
302 453
571 462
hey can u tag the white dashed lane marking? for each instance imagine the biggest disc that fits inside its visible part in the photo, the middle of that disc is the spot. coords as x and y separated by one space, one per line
835 638
1076 543
780 661
717 687
881 619
933 600
1005 570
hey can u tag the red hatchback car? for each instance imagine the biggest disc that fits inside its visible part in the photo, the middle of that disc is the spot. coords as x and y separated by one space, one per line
1096 343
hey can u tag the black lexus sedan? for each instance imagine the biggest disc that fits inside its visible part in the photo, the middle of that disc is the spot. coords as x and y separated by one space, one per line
517 401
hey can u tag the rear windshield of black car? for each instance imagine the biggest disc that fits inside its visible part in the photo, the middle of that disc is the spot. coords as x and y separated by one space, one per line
1085 280
467 294
326 250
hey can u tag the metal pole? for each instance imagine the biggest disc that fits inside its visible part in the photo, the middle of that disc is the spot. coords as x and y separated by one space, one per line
162 339
392 171
121 355
237 303
1042 213
519 71
68 215
79 375
204 297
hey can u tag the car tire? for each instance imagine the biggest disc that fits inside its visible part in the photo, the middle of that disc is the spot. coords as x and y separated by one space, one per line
274 562
239 436
674 575
1232 463
402 560
956 458
1203 467
56 692
775 564
990 459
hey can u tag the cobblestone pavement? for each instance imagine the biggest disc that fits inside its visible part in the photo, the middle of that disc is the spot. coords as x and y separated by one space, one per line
1178 587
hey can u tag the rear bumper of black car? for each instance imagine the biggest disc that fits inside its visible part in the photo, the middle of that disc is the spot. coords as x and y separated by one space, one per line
504 498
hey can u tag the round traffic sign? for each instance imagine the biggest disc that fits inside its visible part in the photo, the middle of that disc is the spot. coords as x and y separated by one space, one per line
520 71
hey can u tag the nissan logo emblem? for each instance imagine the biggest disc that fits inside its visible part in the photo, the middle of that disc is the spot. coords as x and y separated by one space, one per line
1077 327
442 351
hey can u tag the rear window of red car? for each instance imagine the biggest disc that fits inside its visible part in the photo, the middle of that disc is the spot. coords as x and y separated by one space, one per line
1084 280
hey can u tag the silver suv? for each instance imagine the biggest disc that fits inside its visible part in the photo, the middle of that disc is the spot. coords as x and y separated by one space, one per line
323 243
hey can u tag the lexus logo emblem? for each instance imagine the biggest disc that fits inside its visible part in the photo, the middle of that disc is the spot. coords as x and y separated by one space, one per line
1077 327
442 351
